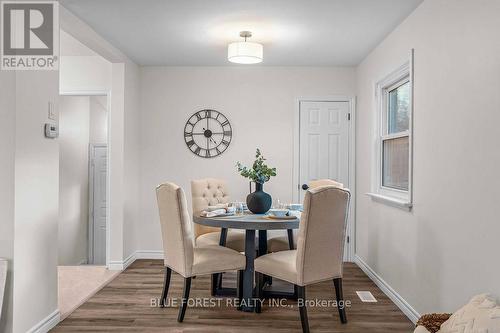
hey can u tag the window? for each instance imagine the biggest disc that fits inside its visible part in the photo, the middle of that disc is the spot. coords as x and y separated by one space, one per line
395 138
393 158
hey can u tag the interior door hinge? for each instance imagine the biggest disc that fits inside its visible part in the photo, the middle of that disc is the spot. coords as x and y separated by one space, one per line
349 116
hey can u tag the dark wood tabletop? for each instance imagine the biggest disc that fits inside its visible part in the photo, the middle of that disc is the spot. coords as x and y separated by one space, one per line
248 221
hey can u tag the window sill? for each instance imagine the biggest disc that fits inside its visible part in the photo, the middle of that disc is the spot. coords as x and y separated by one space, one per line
391 201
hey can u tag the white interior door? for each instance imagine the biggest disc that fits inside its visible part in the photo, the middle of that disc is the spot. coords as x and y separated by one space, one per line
99 161
324 145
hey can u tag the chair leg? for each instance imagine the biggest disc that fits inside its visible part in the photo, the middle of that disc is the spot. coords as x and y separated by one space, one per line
239 287
295 292
340 299
166 284
219 281
185 297
259 285
214 282
301 291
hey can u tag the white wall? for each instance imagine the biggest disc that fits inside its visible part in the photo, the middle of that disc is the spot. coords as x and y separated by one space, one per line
258 101
98 128
132 160
74 129
82 120
7 169
85 73
36 201
446 250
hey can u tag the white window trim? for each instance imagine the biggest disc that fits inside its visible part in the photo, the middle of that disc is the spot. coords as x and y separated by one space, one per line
391 196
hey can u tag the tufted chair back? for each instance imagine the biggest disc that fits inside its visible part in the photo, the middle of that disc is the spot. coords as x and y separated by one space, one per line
207 192
324 182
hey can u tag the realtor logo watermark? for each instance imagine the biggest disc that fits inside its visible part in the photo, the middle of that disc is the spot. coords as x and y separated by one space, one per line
29 35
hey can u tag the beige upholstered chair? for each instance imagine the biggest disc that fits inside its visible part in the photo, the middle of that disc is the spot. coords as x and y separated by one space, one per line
210 192
181 254
324 182
278 240
320 248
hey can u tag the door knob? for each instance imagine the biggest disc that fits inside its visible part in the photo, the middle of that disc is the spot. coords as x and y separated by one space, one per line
305 187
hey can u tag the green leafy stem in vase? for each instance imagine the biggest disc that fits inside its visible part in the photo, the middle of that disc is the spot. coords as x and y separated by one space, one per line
259 172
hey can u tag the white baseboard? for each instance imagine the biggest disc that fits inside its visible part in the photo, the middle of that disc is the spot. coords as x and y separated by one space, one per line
140 254
407 309
129 260
47 323
151 254
115 265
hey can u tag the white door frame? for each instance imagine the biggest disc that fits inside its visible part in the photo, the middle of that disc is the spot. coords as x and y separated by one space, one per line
351 248
91 201
106 93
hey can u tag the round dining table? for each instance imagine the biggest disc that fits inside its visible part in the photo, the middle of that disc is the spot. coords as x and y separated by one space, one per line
251 223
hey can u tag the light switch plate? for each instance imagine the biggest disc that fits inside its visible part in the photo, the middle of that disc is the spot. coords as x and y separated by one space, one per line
51 131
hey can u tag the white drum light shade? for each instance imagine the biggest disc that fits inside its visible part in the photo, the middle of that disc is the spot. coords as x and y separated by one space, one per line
245 53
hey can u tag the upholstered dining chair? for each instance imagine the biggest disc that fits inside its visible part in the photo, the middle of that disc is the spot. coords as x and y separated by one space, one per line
320 248
324 182
278 240
181 253
210 192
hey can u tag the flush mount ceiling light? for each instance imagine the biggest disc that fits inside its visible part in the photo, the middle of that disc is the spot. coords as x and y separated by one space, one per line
245 52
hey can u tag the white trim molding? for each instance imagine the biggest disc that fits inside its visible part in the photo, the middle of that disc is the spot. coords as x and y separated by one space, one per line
47 323
391 201
149 254
399 198
139 254
351 232
400 302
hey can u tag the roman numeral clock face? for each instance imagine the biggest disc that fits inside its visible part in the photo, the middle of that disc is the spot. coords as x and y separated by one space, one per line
208 133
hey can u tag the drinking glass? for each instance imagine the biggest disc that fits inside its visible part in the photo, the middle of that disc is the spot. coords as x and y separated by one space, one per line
239 208
277 204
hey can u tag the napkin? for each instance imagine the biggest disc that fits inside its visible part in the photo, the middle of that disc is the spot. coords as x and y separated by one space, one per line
218 206
213 213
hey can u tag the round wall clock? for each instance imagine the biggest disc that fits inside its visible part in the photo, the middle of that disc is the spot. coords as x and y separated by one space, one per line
208 133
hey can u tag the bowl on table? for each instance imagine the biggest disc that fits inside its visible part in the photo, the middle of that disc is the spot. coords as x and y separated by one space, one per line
278 212
298 207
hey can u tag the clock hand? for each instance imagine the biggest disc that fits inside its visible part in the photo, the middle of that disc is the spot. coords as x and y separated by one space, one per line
215 142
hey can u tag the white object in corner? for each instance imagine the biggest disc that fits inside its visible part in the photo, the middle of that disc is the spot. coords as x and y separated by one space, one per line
407 309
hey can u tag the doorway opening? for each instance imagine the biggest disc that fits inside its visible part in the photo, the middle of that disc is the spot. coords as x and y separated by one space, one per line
83 211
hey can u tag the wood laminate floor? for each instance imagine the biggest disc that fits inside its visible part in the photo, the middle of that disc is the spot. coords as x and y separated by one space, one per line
124 305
